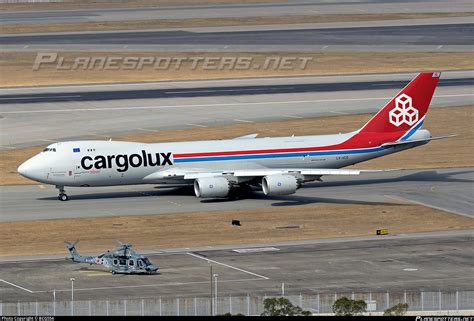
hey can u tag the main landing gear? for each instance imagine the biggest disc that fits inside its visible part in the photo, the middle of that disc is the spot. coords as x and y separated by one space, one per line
62 196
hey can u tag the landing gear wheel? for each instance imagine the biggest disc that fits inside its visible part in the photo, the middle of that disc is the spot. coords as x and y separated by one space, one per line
62 196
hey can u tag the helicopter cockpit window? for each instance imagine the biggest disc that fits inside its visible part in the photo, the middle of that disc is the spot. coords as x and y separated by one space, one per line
47 149
123 262
146 261
131 263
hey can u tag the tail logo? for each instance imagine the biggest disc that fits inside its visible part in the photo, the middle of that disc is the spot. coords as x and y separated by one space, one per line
404 112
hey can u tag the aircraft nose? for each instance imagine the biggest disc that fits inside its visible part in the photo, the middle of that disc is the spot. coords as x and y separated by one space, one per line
24 168
27 169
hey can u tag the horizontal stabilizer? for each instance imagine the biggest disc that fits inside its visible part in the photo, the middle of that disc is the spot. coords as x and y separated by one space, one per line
416 141
249 136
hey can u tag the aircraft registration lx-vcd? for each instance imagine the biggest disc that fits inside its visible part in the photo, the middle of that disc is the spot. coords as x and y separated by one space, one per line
277 165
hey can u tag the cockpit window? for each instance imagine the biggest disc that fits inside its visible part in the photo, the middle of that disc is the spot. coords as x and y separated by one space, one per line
146 261
47 149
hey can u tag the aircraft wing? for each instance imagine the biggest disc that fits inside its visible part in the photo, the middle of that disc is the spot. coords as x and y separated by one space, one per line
188 174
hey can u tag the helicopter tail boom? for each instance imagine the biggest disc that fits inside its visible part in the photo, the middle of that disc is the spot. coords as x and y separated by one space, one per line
75 256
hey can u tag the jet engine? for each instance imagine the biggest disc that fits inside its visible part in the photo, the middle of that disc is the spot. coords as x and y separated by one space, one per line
210 187
279 184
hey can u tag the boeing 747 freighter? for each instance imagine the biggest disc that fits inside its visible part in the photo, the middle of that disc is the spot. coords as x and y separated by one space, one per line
279 166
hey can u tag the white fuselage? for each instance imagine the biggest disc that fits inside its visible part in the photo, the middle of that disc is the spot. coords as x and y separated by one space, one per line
108 163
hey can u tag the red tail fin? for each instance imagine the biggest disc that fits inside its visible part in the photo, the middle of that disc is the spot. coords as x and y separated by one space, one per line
407 109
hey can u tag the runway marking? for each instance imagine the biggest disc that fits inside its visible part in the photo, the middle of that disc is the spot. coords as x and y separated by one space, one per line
212 91
196 125
227 265
48 140
370 263
95 273
410 269
257 250
292 116
16 286
243 121
338 112
100 274
148 130
171 202
379 85
41 186
211 105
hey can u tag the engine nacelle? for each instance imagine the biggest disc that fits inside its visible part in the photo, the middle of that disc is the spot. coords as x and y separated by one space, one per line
279 184
210 187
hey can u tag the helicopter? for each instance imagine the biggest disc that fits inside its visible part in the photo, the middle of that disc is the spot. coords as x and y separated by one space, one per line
122 260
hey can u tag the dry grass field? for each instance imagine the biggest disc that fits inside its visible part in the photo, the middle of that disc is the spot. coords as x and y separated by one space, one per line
153 232
453 152
19 66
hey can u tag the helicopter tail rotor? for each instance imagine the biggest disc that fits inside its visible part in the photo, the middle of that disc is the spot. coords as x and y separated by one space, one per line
71 246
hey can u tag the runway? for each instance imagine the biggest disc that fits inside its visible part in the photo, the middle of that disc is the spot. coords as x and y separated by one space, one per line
387 263
419 34
298 7
446 189
39 115
216 91
426 35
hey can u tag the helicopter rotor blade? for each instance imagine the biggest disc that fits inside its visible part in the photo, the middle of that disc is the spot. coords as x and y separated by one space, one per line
71 245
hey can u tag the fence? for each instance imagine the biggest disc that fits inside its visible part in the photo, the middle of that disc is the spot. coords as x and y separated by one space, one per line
247 305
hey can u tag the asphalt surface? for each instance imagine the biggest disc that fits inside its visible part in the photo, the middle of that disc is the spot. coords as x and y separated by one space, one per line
40 115
445 34
455 34
428 262
298 7
218 91
446 189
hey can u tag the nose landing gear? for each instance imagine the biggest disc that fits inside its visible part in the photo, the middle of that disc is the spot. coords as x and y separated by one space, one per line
62 196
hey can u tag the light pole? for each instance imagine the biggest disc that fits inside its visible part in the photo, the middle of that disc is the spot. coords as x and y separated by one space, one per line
72 296
212 296
54 302
215 291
